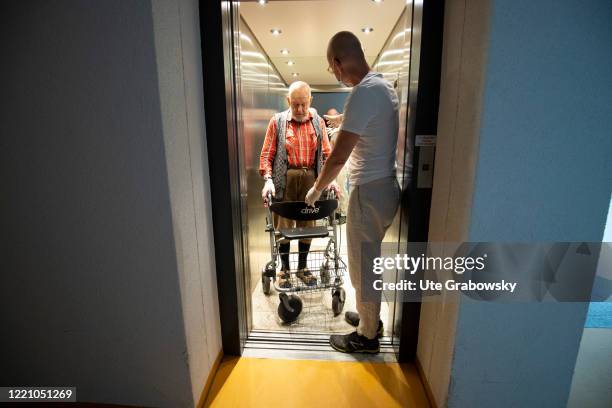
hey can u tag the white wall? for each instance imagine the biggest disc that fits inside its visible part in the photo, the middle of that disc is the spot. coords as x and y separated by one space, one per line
179 65
107 276
461 89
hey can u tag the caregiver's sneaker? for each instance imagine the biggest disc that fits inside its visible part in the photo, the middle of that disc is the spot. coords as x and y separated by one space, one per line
354 343
352 318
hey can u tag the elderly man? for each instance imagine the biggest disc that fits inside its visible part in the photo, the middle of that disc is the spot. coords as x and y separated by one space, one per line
368 135
294 151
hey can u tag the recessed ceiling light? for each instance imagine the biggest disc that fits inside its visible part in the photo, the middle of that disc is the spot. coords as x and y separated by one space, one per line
284 51
367 30
276 31
375 1
290 63
262 2
295 74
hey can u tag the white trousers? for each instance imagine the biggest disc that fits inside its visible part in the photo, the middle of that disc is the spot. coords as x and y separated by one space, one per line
371 209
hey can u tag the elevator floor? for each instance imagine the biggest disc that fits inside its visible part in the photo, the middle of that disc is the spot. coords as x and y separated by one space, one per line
317 314
255 382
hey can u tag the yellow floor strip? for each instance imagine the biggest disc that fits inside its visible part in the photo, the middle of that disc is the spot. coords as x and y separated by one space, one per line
255 382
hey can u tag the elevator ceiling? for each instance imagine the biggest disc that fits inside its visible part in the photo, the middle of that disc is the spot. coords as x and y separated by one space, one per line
307 26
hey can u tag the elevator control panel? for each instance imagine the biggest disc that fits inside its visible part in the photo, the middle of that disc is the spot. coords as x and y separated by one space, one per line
427 148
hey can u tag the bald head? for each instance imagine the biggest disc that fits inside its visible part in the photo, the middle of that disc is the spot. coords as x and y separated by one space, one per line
345 45
346 59
298 87
299 98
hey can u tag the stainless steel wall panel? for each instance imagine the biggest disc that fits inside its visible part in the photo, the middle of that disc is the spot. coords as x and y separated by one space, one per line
262 92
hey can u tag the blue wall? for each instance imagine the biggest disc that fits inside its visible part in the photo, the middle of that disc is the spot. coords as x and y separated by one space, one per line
544 173
322 101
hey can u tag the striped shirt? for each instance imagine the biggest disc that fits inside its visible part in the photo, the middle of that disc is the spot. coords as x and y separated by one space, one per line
300 142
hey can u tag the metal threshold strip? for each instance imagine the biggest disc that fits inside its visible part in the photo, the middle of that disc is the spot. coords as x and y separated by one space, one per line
308 346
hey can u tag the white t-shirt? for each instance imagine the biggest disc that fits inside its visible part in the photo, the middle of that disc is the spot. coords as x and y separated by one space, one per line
372 111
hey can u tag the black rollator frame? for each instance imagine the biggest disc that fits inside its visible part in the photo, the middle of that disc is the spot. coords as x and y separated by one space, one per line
325 265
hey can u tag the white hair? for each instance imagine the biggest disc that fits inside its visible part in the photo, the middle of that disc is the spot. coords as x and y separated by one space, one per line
298 85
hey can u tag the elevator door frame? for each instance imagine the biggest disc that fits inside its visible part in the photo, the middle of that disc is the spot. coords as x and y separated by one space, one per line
217 19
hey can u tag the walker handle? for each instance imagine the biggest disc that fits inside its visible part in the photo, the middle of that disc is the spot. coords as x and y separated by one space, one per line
268 200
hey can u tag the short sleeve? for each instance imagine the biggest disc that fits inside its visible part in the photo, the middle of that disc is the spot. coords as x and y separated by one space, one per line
359 110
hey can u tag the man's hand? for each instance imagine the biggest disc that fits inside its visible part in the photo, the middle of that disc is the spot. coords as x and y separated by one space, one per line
267 189
333 186
312 196
334 120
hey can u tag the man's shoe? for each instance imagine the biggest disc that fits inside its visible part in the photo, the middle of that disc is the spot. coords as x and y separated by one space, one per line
307 277
354 343
352 318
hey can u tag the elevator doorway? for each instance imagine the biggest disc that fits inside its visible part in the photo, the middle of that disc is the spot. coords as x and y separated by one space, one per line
262 53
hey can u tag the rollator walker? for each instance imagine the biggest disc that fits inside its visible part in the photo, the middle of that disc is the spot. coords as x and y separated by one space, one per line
324 264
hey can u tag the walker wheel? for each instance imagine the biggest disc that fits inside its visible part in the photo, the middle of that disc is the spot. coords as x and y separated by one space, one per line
267 275
289 308
270 270
265 284
338 299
